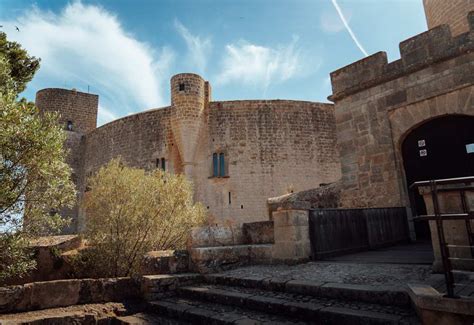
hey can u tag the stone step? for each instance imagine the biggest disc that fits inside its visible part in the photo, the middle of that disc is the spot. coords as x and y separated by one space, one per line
147 318
319 310
208 313
385 295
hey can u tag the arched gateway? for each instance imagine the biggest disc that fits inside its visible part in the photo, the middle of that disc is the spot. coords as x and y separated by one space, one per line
440 148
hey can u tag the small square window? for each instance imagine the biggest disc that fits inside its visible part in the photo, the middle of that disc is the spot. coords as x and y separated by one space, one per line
181 87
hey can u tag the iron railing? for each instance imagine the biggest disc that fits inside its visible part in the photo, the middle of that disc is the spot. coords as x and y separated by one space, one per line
464 184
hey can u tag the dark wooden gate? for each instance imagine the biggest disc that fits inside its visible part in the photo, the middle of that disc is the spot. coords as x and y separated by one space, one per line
340 231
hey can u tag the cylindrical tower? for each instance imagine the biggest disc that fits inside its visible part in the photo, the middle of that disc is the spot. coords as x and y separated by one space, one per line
78 111
189 95
78 116
451 12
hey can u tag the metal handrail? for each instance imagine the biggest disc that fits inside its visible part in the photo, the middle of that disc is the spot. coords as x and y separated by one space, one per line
439 217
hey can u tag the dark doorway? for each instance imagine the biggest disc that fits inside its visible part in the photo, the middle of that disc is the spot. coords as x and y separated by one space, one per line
437 149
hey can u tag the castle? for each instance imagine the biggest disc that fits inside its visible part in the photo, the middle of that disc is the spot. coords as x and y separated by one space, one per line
236 153
390 124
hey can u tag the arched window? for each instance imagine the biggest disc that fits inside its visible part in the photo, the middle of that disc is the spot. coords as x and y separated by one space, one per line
69 126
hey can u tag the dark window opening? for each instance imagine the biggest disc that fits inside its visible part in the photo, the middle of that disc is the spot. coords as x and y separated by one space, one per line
69 126
181 87
242 206
157 163
215 166
221 165
218 165
163 164
230 198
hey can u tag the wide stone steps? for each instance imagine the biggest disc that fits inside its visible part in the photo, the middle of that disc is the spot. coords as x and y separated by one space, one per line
193 311
304 308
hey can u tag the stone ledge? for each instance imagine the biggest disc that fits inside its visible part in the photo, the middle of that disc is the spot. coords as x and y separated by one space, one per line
63 293
385 295
431 305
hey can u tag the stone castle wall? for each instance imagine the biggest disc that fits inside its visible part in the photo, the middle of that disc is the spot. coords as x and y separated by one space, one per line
377 103
450 12
271 148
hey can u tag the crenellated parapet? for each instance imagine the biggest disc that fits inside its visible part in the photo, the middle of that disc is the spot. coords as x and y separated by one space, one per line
418 52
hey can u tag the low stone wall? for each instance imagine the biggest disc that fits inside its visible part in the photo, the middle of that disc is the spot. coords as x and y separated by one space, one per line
166 262
324 197
50 263
61 293
433 308
292 244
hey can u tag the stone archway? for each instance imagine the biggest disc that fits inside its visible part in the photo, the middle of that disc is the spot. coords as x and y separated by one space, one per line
406 119
437 149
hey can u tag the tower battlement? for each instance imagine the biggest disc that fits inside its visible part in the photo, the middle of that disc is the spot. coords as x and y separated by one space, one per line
416 53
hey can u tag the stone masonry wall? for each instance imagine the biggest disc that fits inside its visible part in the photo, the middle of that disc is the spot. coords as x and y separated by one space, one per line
271 148
451 12
77 107
378 102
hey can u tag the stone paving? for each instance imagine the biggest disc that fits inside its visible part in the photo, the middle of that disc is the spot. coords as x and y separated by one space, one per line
352 273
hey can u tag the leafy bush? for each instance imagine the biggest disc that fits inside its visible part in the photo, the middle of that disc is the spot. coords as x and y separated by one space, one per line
130 212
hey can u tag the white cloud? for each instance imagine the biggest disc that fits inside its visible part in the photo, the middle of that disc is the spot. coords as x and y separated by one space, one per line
198 48
258 65
332 23
86 45
348 28
105 115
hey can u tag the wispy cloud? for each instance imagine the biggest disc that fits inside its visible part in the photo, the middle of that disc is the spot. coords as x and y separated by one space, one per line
199 48
331 21
348 28
259 66
86 45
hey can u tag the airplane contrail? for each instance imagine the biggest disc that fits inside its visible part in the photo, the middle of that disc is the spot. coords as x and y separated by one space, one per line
344 21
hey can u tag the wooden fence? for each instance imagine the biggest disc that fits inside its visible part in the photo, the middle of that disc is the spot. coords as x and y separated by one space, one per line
340 231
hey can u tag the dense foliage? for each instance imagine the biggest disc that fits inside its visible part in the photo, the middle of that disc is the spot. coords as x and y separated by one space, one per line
34 177
130 212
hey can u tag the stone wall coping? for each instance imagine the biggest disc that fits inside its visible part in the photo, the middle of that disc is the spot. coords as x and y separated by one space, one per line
418 52
66 90
426 297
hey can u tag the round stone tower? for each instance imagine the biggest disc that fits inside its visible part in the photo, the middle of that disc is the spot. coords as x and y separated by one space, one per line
451 12
189 99
78 111
78 116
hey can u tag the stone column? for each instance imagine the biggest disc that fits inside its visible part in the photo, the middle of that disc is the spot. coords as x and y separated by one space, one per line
292 243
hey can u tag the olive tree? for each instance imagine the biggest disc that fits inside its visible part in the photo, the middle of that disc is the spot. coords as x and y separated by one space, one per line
34 177
130 211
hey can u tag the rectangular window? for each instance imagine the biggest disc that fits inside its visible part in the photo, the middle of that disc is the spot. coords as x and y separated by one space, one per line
221 165
163 164
215 165
230 198
157 163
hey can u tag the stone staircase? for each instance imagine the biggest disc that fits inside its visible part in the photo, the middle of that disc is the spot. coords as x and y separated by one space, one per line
218 299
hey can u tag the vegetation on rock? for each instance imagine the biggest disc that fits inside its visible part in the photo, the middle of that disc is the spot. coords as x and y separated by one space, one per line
34 177
130 212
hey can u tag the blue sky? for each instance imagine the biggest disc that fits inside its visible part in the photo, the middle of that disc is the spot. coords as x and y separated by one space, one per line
126 51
